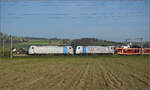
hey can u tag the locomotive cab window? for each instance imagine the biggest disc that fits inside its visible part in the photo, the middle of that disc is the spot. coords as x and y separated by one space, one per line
78 47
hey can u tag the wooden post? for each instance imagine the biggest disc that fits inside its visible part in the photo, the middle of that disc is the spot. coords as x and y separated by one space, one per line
141 47
3 47
122 50
11 56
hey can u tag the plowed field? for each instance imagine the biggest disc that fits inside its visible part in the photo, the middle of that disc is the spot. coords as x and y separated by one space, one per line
75 72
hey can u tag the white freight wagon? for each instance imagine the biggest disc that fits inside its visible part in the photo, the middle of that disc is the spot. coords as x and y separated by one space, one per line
95 50
50 50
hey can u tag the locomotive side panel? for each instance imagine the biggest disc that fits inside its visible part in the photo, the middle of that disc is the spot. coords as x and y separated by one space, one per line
99 49
49 50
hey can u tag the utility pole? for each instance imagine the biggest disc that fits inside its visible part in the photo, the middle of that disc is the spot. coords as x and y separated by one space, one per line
141 40
11 56
127 41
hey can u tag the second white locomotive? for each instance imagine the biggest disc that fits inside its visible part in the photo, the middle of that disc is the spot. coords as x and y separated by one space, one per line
94 50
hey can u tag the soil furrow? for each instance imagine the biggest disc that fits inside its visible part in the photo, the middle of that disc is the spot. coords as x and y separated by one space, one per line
59 77
140 80
58 74
81 82
115 81
102 70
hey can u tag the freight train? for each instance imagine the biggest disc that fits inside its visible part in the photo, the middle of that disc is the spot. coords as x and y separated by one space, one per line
69 50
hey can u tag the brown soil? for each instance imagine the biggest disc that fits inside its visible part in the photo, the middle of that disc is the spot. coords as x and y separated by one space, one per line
75 73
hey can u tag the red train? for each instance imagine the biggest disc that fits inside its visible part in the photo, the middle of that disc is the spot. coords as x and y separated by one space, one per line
132 51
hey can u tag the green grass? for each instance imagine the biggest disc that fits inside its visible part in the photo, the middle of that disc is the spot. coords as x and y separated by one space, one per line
73 56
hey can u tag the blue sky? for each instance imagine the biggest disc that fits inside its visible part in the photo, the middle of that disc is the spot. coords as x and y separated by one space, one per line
104 19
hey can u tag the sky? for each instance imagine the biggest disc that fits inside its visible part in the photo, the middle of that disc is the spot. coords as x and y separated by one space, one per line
104 19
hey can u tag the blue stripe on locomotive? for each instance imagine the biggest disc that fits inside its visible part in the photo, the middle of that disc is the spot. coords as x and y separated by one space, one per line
64 50
84 49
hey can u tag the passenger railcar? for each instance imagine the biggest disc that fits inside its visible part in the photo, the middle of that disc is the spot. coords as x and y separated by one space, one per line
50 50
132 51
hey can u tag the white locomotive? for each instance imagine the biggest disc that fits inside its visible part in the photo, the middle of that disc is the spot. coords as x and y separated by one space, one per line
95 50
50 50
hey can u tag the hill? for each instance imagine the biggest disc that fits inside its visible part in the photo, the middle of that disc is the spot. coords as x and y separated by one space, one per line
94 42
24 42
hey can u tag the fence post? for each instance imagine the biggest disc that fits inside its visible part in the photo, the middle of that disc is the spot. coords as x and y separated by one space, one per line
3 47
141 47
11 56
